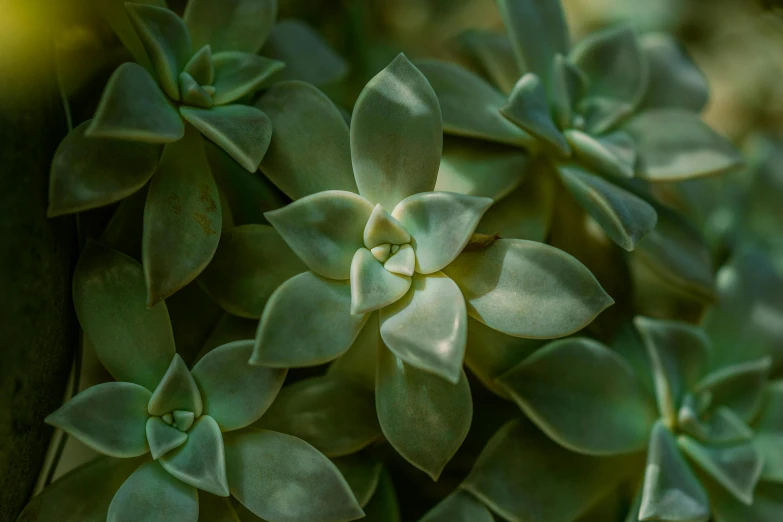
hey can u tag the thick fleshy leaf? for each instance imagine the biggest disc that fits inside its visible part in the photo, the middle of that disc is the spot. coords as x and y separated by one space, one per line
325 230
192 93
153 495
625 217
675 81
133 108
383 228
675 144
177 391
201 461
441 224
242 131
740 387
678 355
362 472
671 491
200 66
737 468
470 105
307 321
182 218
117 18
163 438
597 156
614 62
282 478
238 25
238 74
303 163
460 506
523 475
235 393
167 41
721 426
600 114
92 172
306 54
528 108
402 262
82 495
108 417
584 396
480 169
538 30
769 432
766 507
396 135
493 54
250 263
360 362
110 297
372 286
427 328
563 83
383 506
424 417
528 289
333 414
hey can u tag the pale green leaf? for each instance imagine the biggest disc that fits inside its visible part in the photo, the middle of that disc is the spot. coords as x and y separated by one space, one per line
739 387
675 81
163 438
459 506
382 228
201 461
359 363
362 472
403 262
153 495
372 286
238 74
177 391
598 156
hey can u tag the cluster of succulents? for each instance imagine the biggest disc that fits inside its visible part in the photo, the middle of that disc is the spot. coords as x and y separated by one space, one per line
289 293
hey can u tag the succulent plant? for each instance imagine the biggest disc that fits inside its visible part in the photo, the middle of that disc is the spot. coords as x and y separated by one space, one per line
707 414
195 423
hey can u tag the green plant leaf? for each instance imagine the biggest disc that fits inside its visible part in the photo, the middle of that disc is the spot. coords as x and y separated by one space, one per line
110 297
459 506
242 131
362 473
182 219
403 262
769 432
739 387
480 169
153 495
671 491
584 396
441 224
564 86
528 107
239 25
333 414
383 507
235 393
553 484
601 114
200 462
597 156
238 74
372 286
493 55
192 93
307 321
424 417
200 66
396 135
133 108
308 226
166 39
303 163
306 54
382 228
251 261
737 467
615 64
280 477
163 438
528 289
359 363
675 81
470 105
625 217
675 144
83 494
537 29
113 11
427 328
766 507
721 425
678 354
177 391
93 172
108 418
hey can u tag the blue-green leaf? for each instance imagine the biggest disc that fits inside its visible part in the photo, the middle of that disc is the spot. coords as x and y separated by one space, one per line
153 495
177 391
163 438
739 387
238 74
201 461
675 81
459 506
372 286
493 54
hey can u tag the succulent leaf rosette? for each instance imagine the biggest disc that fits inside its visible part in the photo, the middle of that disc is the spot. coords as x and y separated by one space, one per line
369 255
708 415
194 423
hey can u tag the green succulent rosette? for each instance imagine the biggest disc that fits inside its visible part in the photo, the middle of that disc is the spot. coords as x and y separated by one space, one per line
195 455
597 122
707 414
371 264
